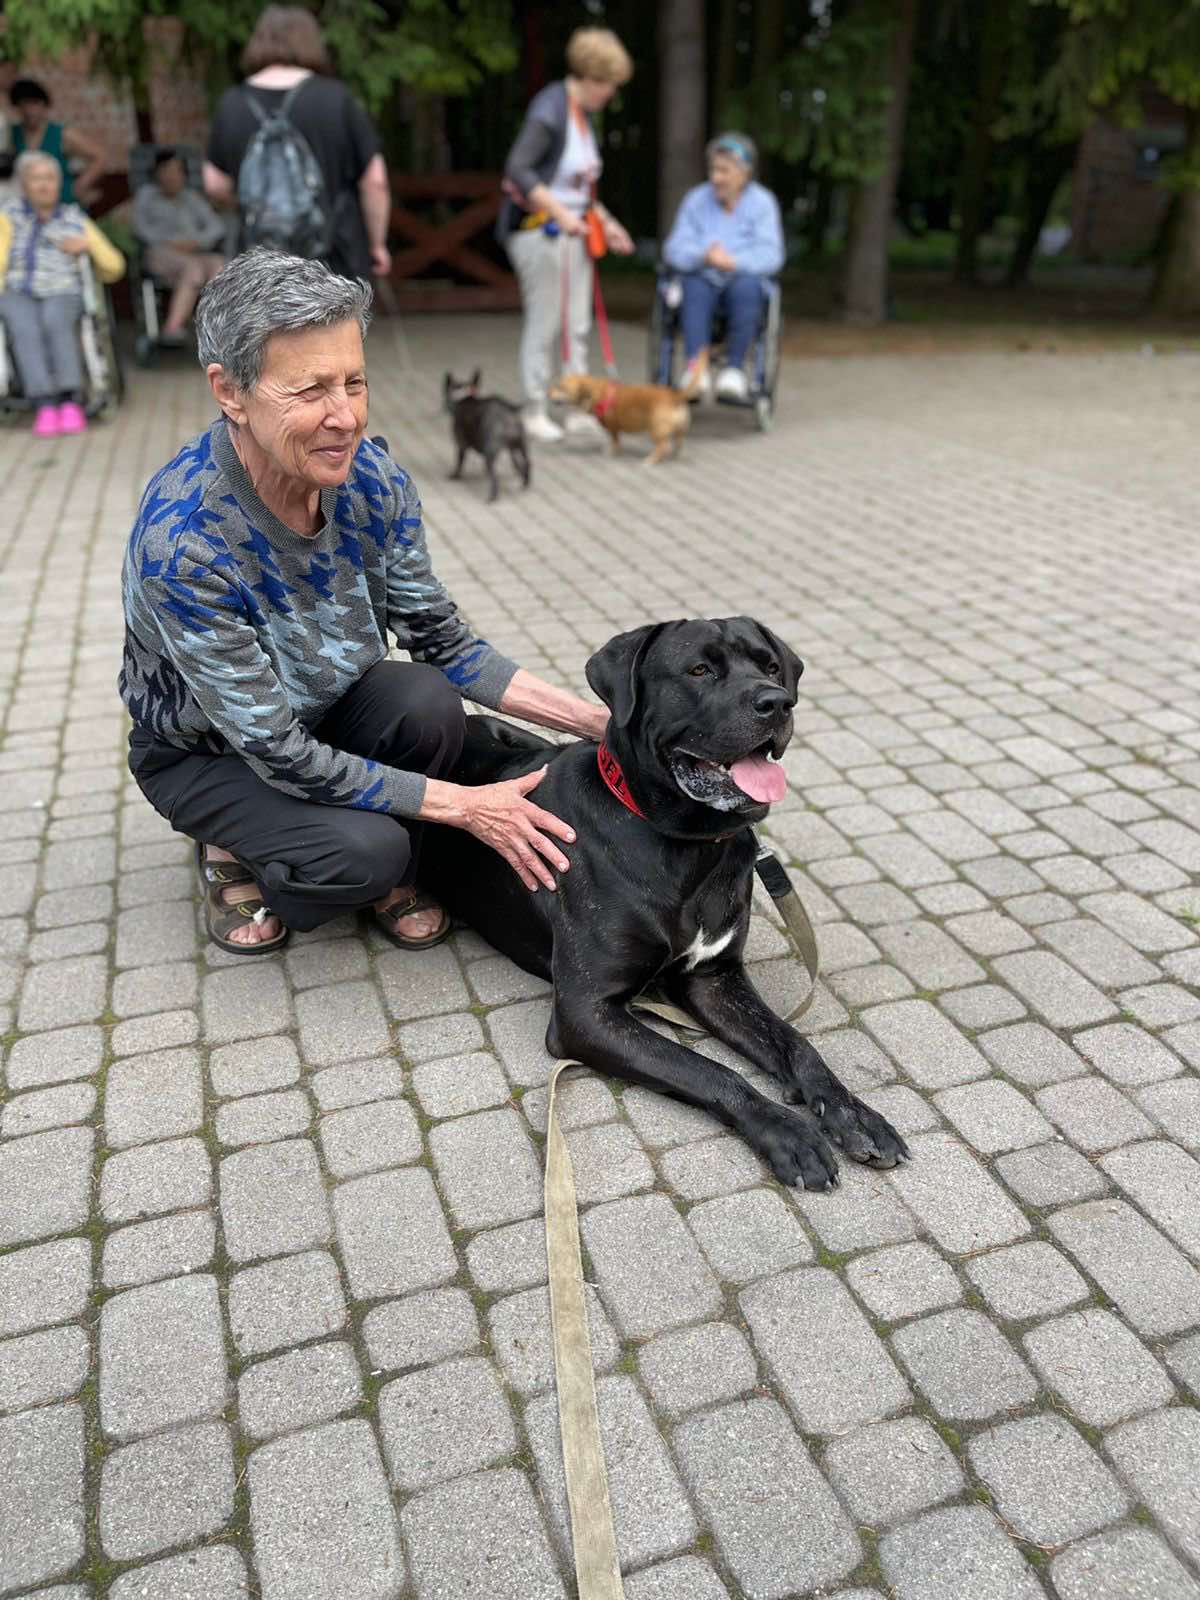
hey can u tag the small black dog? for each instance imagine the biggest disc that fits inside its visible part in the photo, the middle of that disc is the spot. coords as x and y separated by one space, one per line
485 423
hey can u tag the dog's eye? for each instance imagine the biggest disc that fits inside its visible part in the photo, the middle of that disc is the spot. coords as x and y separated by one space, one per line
773 669
699 670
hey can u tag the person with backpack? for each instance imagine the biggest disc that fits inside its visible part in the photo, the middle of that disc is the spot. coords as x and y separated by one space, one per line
293 150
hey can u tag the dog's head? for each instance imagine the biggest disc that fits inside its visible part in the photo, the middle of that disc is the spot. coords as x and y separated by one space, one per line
456 389
701 713
578 389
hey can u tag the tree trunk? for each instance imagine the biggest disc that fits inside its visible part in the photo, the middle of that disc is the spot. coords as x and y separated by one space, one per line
977 155
871 213
769 19
430 145
680 104
1176 290
724 66
1045 168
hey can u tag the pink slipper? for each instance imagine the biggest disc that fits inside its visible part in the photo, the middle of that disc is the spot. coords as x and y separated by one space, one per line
46 423
71 418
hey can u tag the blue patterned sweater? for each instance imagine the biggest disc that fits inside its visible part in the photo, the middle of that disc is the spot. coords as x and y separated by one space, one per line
240 634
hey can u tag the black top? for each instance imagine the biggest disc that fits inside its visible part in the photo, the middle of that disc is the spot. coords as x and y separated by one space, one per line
343 141
535 154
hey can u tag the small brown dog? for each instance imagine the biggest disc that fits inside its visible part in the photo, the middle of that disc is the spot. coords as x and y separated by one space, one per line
633 408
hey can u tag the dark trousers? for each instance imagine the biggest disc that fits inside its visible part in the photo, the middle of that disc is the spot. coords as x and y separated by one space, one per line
739 297
313 862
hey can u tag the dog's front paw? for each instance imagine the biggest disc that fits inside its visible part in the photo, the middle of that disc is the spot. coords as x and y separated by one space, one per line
860 1132
795 1151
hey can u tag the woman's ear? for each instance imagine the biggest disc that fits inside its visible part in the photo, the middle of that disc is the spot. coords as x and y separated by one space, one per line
226 393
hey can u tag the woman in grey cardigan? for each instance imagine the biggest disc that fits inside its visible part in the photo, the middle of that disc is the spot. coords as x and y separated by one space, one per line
550 180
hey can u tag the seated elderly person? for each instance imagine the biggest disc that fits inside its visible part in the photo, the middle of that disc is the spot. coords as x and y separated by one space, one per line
182 235
269 561
726 240
41 291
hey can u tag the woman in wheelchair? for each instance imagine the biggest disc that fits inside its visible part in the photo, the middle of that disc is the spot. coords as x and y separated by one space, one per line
41 291
727 240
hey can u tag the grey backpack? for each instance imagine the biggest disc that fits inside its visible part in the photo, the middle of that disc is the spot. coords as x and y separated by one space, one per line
281 190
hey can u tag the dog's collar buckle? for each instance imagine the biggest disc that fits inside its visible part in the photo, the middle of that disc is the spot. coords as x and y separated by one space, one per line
601 409
614 778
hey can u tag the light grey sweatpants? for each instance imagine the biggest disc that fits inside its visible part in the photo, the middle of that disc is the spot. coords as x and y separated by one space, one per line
44 339
538 263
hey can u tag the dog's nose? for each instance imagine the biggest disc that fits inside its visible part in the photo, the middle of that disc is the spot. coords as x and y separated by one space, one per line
771 699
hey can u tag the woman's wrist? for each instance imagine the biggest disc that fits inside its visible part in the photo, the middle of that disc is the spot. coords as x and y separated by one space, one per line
448 803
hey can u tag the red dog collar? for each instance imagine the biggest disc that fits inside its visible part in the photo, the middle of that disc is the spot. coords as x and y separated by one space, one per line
610 771
601 409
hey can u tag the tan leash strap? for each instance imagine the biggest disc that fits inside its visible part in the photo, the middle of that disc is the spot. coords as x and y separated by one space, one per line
597 1572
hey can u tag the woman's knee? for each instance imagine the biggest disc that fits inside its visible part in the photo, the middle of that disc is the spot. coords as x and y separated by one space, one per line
438 707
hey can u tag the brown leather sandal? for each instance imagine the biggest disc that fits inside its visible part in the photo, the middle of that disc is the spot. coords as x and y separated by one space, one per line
386 922
221 917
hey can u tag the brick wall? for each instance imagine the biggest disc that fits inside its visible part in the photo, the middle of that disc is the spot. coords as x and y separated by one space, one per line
1116 211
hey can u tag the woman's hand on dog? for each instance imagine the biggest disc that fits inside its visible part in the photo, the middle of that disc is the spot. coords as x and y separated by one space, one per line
499 815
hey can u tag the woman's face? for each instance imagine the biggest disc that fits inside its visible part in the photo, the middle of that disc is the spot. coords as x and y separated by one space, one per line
33 114
41 185
308 411
593 94
728 177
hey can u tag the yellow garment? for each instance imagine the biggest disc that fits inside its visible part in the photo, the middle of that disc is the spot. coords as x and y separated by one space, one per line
106 258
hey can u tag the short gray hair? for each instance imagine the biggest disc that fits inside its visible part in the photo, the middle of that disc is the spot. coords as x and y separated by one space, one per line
264 292
28 159
740 147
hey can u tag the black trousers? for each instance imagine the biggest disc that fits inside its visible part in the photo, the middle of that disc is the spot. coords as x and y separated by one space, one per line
313 862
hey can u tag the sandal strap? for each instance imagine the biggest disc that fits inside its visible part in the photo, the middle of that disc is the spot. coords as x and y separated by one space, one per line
406 908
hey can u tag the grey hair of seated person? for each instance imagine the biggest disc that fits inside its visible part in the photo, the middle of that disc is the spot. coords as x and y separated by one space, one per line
28 159
740 147
262 293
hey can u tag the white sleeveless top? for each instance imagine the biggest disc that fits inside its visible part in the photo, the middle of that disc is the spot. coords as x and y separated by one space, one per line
579 166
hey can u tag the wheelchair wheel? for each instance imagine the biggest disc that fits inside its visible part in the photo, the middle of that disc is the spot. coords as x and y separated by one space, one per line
772 333
660 343
764 412
145 351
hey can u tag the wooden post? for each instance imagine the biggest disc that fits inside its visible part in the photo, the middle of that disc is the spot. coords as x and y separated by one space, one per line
681 109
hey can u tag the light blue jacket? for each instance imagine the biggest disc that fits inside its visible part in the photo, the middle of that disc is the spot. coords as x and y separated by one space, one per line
752 232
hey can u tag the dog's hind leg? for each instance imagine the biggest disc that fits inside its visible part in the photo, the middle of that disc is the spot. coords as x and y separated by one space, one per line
725 1001
659 454
458 466
493 482
520 460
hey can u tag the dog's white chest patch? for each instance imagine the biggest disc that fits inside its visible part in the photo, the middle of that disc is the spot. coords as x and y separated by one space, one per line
703 948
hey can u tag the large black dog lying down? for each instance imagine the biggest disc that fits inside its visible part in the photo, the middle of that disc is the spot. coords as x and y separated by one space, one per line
660 891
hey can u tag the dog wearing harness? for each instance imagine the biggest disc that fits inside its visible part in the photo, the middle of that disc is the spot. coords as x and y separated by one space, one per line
659 887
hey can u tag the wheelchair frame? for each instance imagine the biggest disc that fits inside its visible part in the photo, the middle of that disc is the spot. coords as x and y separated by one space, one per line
663 338
103 374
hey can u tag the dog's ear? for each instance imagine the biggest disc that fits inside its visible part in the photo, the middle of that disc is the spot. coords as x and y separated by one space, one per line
613 671
477 377
789 661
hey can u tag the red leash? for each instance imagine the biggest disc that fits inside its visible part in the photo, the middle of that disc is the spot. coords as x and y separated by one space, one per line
606 345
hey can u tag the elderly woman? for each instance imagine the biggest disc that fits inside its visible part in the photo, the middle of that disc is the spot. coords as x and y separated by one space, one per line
35 131
41 291
269 561
550 181
726 240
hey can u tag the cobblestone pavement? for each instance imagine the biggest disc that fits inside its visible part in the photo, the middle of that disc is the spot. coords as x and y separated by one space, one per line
272 1291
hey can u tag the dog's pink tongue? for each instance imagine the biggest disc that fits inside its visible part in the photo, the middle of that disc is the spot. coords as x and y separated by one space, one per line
759 778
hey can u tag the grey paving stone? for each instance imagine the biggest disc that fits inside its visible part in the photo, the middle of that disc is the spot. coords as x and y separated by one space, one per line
1127 1055
1002 877
1159 1457
41 1509
487 1168
167 1490
963 1365
57 994
956 1552
1138 921
272 1200
291 1391
693 1367
888 1470
986 1005
903 1107
215 1573
1054 990
44 1284
165 1248
1184 1361
322 1517
1032 1054
661 1122
422 988
651 1513
59 1107
358 1083
608 1162
45 1184
148 989
521 1339
164 1030
285 1302
487 1523
963 1208
582 1102
156 1178
1027 1280
237 1003
749 1235
253 1065
443 1422
862 1211
688 1578
1165 1183
745 1466
903 1281
451 1086
86 939
1050 1174
1126 1564
650 1271
1050 1487
364 1138
421 1329
162 1357
930 957
924 1044
1100 1369
508 1258
1098 953
153 1097
1176 1106
165 930
868 986
331 961
993 1117
1151 1283
1093 1115
460 1033
707 1167
1156 1005
54 1057
519 1037
341 1022
37 1367
393 1234
833 1369
79 863
260 1118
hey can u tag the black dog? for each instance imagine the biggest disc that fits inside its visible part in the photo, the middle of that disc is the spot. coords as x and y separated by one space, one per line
660 882
488 424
